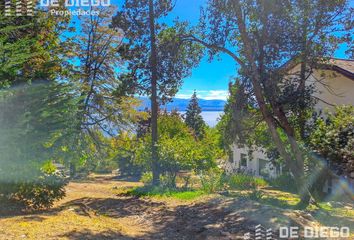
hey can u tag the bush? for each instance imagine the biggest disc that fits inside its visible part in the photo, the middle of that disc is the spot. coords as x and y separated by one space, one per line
245 182
212 180
40 193
166 180
178 149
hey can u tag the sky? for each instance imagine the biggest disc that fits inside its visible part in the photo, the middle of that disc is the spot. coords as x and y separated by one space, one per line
209 79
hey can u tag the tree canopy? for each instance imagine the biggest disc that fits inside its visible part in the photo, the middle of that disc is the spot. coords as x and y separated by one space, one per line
262 36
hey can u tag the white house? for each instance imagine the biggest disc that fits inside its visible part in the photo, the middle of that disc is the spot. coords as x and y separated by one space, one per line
334 85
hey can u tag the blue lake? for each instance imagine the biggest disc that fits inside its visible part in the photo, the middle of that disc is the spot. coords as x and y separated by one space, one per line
210 117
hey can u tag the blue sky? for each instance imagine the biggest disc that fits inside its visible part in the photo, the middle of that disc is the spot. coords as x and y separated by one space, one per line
210 79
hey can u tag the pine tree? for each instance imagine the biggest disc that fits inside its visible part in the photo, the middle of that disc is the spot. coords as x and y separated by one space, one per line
193 118
158 59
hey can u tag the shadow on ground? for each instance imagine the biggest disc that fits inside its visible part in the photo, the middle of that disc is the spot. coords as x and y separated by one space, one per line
197 221
328 219
112 207
215 218
86 234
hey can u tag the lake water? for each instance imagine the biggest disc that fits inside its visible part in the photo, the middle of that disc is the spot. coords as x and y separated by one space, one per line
210 117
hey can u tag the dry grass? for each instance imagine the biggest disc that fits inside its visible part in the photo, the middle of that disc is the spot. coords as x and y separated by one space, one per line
97 208
69 217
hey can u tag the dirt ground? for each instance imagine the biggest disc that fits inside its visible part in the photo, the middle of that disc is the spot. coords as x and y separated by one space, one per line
94 209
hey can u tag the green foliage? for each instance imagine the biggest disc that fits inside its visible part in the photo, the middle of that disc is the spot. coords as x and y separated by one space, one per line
30 48
275 26
48 167
193 118
30 129
104 105
36 114
146 178
243 124
332 138
245 182
178 149
36 121
41 192
166 180
158 60
122 152
212 180
175 58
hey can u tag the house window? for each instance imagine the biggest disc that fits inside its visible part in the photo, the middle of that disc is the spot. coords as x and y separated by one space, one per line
243 162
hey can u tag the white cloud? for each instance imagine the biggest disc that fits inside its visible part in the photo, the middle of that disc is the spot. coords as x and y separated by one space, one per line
183 96
215 94
205 94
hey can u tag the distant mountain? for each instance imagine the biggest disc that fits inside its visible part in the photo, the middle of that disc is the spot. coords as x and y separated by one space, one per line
181 104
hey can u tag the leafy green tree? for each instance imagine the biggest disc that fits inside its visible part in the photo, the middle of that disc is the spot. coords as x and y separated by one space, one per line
158 59
178 148
242 123
332 140
30 48
123 153
104 104
36 112
263 35
193 118
36 122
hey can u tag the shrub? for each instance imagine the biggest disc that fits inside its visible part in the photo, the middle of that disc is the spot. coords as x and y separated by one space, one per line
178 149
245 182
40 193
166 180
212 180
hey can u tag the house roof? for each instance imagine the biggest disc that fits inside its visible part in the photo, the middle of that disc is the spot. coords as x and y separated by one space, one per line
343 66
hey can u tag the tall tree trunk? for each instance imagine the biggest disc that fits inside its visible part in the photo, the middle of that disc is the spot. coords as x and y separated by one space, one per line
72 170
296 167
154 105
303 70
